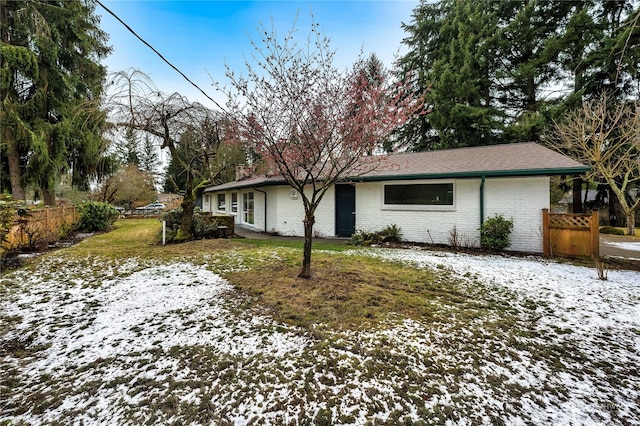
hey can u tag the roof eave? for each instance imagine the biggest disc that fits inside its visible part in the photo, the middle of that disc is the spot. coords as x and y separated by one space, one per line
477 174
452 175
245 185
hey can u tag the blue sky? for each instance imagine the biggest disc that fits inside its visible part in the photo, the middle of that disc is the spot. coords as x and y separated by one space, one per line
198 37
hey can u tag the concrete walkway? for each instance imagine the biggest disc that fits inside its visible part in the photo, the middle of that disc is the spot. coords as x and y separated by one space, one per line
247 233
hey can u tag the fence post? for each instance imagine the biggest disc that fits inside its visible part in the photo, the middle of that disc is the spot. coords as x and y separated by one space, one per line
546 248
595 234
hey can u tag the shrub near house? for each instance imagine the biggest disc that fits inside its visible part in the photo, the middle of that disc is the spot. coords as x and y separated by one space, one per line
495 233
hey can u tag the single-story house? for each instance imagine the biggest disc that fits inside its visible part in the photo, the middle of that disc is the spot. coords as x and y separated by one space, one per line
426 194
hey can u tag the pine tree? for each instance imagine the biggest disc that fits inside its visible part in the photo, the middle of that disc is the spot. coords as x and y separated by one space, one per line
128 149
501 71
148 157
50 86
530 39
452 51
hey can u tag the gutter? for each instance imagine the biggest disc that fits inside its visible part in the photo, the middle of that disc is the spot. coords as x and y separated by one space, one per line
476 174
265 206
482 199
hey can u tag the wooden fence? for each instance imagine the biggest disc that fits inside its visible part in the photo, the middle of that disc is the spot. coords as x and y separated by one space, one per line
573 235
37 227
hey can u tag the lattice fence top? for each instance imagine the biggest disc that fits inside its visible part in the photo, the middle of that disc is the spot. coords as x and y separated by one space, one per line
570 221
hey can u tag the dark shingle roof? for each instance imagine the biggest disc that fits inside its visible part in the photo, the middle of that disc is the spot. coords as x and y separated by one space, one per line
521 159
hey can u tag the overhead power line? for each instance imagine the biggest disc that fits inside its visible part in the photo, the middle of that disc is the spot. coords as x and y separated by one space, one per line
159 54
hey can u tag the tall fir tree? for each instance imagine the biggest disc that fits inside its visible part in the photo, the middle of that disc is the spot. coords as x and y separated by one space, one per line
148 158
531 36
452 54
50 87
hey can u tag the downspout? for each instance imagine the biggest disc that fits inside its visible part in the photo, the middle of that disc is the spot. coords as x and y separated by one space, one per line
482 199
265 206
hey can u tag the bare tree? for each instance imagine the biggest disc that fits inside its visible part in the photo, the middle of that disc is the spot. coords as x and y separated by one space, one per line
312 123
605 135
136 104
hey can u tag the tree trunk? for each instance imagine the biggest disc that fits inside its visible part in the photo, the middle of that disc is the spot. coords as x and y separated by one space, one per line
15 175
309 220
616 213
577 195
631 223
49 197
188 206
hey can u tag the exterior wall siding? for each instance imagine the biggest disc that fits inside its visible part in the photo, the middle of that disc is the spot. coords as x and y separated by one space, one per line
289 213
426 226
521 199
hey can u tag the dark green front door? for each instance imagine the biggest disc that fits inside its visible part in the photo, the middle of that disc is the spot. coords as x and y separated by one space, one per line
345 210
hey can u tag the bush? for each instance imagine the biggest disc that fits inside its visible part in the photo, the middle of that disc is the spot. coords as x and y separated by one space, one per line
358 238
172 217
203 226
611 230
391 233
495 232
96 216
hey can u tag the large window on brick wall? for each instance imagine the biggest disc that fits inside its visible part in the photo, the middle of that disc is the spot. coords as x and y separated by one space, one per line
419 195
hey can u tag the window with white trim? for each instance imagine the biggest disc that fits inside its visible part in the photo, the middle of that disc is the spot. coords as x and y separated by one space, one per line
234 202
222 201
247 208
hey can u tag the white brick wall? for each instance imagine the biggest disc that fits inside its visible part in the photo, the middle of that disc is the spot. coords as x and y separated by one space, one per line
519 198
288 213
428 226
523 200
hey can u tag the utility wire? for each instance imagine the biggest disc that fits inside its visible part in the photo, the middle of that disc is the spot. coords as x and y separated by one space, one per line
159 54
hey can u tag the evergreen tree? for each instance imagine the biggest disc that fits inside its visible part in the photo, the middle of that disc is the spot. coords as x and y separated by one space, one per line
127 149
50 86
148 157
531 36
501 71
607 74
452 54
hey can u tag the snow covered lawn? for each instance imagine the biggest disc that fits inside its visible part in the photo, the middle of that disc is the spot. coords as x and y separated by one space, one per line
138 342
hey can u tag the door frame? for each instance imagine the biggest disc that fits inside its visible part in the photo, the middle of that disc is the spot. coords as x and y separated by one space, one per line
352 199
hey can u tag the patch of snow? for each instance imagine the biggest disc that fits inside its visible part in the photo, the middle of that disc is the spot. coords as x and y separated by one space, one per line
138 332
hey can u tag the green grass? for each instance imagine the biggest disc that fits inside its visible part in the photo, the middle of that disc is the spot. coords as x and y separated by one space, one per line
345 292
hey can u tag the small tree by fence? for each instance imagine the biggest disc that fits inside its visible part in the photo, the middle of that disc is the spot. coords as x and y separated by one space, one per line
35 227
573 235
